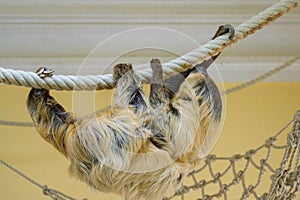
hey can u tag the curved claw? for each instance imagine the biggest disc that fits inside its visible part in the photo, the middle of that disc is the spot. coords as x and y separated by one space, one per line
120 70
157 71
43 72
227 28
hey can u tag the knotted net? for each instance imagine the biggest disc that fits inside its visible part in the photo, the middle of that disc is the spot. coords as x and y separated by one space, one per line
208 182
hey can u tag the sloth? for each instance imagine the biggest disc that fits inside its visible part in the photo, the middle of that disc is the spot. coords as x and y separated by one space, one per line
142 147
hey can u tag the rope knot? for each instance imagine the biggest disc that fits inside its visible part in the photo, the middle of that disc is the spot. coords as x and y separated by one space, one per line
182 190
46 190
251 188
250 153
263 161
217 176
276 175
248 191
210 158
269 142
201 183
292 140
206 197
238 177
236 157
224 188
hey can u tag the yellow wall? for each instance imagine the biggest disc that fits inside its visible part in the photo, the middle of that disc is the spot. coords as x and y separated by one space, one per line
252 116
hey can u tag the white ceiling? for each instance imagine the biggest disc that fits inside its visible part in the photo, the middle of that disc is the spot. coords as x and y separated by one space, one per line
62 33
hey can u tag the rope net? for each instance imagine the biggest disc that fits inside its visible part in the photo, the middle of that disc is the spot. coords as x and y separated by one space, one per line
208 182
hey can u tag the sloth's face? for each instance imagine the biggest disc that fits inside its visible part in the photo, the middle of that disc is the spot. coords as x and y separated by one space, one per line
38 93
36 99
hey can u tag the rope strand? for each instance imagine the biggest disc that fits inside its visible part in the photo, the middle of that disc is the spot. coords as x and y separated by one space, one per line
53 194
263 76
15 123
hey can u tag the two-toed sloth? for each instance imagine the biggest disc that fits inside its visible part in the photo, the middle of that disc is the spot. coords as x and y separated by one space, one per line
141 148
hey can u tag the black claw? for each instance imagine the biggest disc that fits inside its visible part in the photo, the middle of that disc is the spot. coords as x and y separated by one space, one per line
43 72
120 70
227 28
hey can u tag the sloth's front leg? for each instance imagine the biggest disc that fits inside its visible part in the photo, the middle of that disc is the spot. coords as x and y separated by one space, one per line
128 90
50 119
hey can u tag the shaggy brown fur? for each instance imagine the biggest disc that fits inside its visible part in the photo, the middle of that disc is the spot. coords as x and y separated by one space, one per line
140 148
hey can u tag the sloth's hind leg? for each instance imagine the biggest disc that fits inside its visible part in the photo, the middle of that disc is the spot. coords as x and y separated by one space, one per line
159 94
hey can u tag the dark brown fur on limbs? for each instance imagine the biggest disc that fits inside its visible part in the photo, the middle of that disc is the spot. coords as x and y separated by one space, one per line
140 148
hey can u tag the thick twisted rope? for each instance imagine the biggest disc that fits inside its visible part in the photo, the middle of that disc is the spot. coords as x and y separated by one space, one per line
14 123
99 82
242 86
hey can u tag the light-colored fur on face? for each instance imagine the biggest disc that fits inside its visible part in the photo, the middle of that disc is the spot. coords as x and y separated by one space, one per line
118 150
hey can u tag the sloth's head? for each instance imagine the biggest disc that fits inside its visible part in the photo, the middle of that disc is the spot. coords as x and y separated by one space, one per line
36 100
